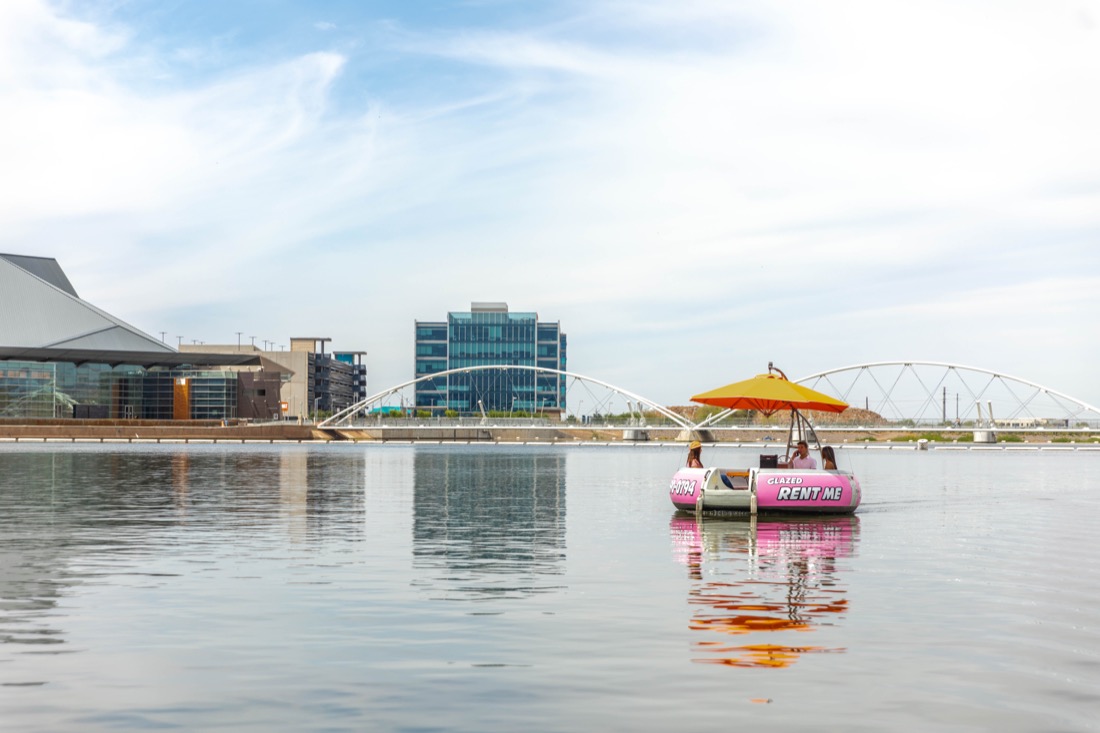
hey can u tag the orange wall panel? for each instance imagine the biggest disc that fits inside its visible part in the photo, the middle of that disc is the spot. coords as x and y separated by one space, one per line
181 399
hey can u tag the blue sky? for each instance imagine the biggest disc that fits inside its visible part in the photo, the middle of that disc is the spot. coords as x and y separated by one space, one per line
692 188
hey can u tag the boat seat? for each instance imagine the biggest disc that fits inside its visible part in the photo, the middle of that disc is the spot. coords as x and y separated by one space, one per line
736 479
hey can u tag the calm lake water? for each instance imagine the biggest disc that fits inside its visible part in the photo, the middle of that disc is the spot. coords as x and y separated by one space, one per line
505 588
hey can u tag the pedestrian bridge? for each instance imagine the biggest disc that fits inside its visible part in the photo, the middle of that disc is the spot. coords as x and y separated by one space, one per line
906 393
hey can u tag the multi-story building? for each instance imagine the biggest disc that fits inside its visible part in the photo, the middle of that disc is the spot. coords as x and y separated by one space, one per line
316 381
354 359
490 335
311 380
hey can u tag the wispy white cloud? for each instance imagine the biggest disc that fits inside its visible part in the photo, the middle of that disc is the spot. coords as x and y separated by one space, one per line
702 186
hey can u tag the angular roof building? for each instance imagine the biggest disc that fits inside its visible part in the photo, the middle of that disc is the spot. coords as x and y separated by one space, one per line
61 356
39 309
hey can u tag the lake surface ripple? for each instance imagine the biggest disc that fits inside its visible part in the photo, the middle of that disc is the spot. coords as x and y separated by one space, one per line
504 588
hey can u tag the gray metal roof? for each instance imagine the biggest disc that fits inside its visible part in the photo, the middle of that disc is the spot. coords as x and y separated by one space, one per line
45 268
138 358
40 309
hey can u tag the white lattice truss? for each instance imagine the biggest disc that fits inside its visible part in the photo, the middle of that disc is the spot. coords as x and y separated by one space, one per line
930 382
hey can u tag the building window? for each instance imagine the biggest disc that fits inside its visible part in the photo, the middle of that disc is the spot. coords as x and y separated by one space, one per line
489 335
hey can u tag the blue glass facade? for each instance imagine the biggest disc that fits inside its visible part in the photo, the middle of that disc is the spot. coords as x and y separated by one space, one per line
490 335
61 389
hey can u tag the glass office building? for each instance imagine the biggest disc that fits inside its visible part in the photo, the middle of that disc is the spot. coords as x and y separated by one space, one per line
490 335
128 392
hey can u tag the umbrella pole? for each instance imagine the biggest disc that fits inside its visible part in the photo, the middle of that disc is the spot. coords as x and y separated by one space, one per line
791 440
800 425
806 429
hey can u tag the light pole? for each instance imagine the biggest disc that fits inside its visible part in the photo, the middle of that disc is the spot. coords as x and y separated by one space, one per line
162 335
239 340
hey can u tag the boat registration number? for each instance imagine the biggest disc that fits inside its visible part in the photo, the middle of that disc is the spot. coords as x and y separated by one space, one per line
682 487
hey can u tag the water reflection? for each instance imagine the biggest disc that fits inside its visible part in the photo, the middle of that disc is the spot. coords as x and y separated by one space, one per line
765 579
68 518
489 525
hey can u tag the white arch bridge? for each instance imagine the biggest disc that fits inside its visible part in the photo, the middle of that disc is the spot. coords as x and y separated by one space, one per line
902 392
637 406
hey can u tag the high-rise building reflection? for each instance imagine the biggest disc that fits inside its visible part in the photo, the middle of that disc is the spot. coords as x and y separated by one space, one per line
491 525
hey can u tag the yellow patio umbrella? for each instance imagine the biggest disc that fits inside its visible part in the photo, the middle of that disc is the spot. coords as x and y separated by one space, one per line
769 393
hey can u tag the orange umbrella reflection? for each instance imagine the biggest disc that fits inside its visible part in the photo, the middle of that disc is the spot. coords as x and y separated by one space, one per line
787 583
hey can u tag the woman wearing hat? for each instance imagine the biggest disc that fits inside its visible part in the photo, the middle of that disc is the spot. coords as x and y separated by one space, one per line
694 455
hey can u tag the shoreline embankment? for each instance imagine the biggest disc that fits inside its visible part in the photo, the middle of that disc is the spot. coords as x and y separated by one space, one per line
232 431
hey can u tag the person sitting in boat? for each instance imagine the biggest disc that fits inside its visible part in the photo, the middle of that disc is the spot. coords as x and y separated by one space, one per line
802 457
695 450
828 458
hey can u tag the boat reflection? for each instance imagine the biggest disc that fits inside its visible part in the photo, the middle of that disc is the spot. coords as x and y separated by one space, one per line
762 578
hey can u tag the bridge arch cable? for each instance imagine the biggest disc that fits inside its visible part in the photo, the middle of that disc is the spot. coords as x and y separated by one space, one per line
599 404
889 393
342 418
929 401
907 390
